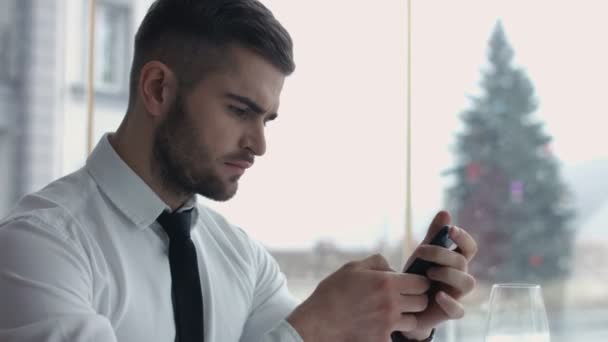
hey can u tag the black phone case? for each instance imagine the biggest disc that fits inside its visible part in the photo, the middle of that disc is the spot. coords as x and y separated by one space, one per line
420 267
441 239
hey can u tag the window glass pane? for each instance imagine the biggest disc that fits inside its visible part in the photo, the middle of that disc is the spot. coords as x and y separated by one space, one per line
111 42
340 112
330 188
508 115
115 24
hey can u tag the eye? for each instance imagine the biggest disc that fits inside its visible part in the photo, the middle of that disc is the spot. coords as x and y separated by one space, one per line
240 112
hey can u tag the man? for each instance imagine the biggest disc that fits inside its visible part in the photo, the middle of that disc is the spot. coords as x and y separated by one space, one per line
121 251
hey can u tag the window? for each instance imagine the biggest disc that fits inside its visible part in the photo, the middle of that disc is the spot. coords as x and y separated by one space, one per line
111 46
8 50
508 104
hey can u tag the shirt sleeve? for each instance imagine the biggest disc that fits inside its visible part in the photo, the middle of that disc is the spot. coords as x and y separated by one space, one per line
46 287
283 332
272 302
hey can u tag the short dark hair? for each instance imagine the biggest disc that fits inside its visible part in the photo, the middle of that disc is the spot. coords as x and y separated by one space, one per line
189 36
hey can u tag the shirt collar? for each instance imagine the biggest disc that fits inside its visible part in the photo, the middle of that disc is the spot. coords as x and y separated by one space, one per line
127 191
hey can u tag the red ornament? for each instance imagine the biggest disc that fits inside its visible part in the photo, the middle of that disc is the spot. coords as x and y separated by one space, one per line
536 260
473 172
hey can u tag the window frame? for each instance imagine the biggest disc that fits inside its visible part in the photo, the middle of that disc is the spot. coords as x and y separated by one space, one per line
8 42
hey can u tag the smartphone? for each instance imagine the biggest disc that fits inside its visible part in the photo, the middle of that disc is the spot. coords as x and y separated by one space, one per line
441 239
420 267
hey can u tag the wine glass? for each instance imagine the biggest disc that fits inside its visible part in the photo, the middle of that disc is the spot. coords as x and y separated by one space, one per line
517 314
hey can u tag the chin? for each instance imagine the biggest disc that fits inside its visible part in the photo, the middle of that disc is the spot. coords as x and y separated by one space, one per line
230 192
227 192
223 197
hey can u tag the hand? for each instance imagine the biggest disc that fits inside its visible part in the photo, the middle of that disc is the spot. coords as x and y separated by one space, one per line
363 301
451 277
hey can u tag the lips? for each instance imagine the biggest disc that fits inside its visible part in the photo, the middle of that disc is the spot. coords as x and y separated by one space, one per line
241 164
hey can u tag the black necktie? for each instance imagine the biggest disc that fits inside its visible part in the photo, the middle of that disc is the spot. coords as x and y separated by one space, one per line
186 285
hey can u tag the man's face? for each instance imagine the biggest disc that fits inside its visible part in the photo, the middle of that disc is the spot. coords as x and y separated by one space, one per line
212 134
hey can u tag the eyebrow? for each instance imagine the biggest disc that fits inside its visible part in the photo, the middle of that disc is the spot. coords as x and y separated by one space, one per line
251 104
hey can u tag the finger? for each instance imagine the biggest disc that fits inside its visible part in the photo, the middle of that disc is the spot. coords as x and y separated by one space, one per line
411 284
441 219
375 262
442 256
410 304
463 283
465 242
452 308
407 322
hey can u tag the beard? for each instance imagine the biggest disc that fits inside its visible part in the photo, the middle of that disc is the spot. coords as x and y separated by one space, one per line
184 165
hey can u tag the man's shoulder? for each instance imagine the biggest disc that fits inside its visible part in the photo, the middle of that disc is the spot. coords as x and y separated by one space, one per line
227 234
56 204
216 223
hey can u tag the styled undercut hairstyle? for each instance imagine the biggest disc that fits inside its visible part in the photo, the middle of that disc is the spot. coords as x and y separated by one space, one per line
191 37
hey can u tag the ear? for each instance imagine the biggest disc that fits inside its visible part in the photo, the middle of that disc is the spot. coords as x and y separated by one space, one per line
157 88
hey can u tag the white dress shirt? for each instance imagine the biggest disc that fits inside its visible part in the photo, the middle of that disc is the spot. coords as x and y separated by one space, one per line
84 260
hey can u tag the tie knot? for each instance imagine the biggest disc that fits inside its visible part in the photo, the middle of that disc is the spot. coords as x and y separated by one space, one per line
176 224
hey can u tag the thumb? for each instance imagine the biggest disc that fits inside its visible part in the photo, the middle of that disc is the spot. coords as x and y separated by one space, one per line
375 262
441 219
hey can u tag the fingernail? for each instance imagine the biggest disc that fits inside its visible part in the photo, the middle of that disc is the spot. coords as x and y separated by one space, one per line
455 231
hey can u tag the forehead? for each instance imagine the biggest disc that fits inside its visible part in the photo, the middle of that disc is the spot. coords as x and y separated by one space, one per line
247 74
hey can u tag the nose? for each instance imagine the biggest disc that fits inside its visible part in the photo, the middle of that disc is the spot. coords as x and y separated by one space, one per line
255 140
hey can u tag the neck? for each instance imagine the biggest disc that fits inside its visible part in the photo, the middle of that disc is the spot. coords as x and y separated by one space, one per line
135 148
